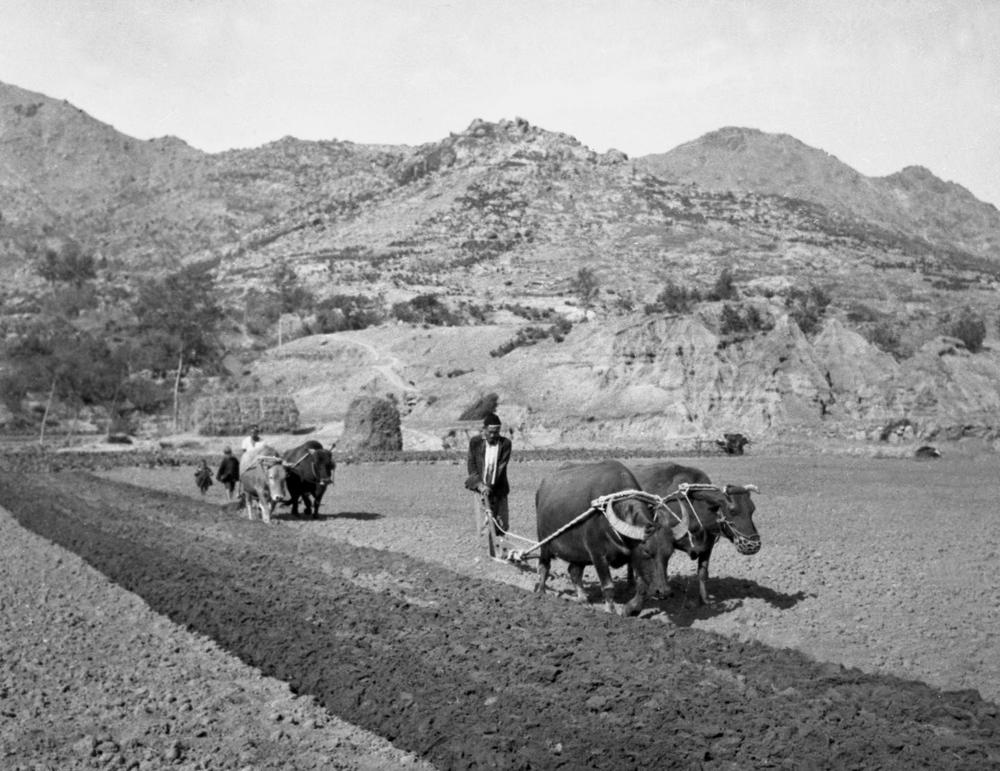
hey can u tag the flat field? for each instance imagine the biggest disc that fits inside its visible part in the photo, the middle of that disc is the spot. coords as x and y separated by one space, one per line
885 564
855 638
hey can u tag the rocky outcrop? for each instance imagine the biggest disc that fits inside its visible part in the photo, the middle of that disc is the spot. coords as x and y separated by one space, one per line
675 377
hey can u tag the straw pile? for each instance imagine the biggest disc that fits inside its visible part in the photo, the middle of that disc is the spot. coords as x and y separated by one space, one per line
228 415
371 424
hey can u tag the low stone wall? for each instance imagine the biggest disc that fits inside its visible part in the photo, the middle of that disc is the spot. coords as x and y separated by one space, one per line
229 415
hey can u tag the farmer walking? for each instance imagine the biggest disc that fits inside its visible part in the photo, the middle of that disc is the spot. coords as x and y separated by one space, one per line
489 454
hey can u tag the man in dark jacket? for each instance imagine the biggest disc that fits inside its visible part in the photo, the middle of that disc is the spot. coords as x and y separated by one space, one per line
229 472
488 456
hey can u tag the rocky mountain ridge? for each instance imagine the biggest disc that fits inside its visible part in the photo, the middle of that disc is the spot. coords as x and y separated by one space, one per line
506 214
913 200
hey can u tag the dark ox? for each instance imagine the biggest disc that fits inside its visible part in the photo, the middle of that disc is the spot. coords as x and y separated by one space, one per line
310 470
708 512
625 533
264 482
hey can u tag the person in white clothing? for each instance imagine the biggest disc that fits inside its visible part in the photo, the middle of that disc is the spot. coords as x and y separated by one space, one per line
250 445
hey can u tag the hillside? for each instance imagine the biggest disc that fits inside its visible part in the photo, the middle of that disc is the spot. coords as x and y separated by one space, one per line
913 201
498 220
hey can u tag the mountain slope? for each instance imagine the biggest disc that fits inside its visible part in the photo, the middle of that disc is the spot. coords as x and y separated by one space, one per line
913 200
500 218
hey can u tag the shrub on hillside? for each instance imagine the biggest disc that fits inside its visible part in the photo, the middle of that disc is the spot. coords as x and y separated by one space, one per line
724 288
742 320
970 329
531 334
806 307
527 312
147 395
425 309
344 312
674 298
885 336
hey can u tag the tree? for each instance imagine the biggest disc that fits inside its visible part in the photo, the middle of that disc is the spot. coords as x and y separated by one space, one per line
75 366
725 287
177 319
585 286
293 297
67 265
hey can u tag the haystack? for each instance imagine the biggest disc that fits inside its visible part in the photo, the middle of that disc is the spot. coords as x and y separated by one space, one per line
482 407
228 415
371 424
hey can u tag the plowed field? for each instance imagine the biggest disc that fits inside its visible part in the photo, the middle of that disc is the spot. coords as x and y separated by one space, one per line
387 615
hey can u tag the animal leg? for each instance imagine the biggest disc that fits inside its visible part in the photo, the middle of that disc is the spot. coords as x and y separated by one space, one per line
575 571
703 578
543 574
634 605
250 507
607 583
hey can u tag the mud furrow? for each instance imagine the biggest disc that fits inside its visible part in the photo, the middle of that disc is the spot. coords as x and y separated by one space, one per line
478 674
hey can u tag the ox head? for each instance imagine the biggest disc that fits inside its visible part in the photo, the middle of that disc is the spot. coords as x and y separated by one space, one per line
311 463
277 482
649 557
705 511
736 523
324 465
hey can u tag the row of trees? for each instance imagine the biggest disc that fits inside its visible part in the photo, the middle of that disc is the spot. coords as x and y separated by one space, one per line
95 340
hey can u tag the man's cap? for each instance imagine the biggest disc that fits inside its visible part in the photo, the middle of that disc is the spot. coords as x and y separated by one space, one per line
491 419
227 451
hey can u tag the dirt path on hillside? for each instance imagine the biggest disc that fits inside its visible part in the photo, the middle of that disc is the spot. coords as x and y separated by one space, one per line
385 363
473 673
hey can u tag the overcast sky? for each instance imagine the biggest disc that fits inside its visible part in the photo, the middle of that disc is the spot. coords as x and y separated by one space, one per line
881 85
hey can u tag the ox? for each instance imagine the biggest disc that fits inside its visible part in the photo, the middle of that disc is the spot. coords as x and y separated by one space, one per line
725 510
310 471
624 532
263 478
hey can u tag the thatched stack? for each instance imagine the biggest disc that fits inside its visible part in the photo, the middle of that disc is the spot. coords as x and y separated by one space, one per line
228 415
371 424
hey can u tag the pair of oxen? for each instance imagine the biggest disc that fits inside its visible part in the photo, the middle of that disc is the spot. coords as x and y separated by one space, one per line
269 478
607 515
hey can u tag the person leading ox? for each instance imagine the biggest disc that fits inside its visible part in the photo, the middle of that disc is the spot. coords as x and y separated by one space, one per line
488 456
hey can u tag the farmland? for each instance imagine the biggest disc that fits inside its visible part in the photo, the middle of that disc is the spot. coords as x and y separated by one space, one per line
386 613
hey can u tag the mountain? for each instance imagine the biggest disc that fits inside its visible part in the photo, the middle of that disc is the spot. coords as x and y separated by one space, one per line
911 201
500 218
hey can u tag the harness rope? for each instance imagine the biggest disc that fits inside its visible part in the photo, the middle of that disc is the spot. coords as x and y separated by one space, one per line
604 504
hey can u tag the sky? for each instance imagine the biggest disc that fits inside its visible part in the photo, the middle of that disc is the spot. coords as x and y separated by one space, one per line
879 84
